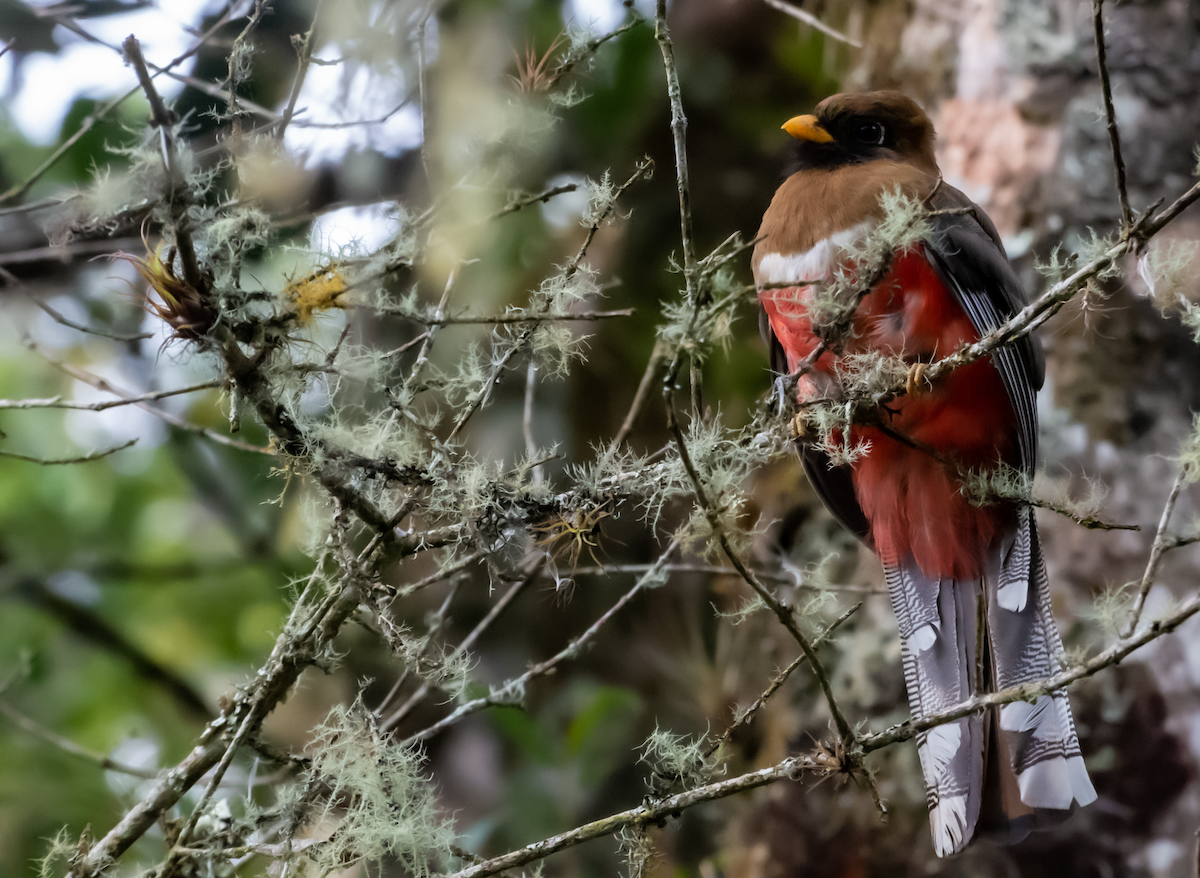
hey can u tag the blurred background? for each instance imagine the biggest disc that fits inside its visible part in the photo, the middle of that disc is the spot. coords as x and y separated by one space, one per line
136 590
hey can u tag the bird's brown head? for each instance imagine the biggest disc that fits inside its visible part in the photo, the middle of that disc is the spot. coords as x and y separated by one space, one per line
860 127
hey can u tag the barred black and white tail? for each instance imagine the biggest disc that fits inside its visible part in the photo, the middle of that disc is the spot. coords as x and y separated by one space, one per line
1018 767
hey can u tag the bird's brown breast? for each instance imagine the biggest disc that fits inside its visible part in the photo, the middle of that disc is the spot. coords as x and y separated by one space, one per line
812 205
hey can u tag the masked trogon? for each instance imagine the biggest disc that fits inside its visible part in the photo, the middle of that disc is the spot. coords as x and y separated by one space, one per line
967 581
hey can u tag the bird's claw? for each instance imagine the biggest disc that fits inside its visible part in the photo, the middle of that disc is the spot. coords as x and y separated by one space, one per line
916 384
799 428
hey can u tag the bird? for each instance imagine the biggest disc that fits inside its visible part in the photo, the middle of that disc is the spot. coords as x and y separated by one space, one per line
967 581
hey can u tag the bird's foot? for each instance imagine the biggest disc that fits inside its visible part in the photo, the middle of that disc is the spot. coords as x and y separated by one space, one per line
916 384
800 429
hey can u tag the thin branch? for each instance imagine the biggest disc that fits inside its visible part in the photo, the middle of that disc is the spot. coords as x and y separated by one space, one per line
1090 522
438 318
712 515
527 418
304 49
679 137
508 692
811 20
34 206
20 189
56 402
639 397
1162 544
67 461
126 397
441 575
540 198
782 612
1114 137
745 717
518 316
720 570
65 253
1152 227
398 715
164 119
66 321
642 169
423 94
651 812
65 744
574 59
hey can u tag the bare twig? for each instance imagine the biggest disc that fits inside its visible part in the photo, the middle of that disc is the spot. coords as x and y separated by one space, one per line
304 49
1153 226
649 813
66 321
437 319
36 729
141 401
67 461
34 206
57 402
717 570
423 93
1162 544
441 319
811 20
497 609
746 716
1114 137
527 418
508 692
639 397
679 136
90 122
540 198
65 253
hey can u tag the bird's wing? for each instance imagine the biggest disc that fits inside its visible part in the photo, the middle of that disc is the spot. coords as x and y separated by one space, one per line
966 252
832 483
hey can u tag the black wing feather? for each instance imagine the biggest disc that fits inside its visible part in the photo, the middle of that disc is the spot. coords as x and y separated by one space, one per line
968 256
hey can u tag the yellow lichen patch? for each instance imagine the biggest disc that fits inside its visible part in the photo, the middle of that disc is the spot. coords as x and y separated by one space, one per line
320 291
185 309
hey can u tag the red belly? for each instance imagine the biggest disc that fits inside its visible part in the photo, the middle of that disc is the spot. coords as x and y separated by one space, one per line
912 500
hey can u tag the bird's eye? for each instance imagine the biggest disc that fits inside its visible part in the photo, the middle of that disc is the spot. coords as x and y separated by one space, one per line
869 133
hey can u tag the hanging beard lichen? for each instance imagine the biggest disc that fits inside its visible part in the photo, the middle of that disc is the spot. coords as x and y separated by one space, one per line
375 798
